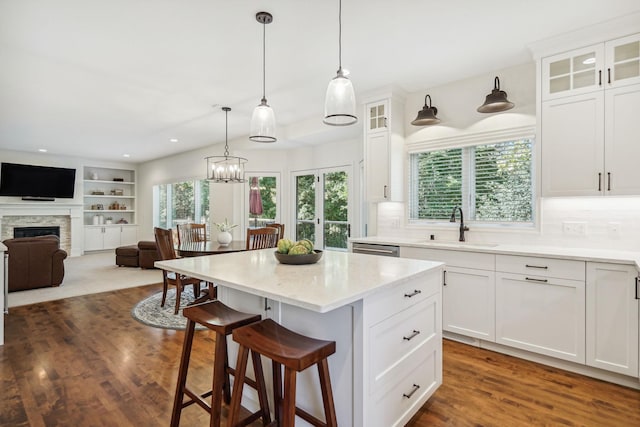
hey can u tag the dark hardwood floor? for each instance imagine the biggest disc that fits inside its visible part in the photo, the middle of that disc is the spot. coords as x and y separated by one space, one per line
85 361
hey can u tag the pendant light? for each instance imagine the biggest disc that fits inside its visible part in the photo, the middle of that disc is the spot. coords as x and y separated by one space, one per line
426 116
263 121
225 169
340 102
496 101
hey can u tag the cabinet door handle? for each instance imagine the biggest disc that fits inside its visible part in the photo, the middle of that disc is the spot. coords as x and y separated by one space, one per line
536 266
384 192
599 181
385 122
536 280
413 294
444 278
415 388
412 336
637 293
608 181
609 75
599 77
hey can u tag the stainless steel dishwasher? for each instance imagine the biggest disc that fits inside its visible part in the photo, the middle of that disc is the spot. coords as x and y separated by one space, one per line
375 249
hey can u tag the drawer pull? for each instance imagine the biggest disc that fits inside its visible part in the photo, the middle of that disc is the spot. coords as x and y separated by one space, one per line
544 267
415 388
413 294
536 280
412 336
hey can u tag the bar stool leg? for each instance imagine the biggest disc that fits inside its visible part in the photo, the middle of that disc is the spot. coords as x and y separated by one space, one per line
277 389
327 394
226 388
182 373
238 383
262 391
289 404
219 372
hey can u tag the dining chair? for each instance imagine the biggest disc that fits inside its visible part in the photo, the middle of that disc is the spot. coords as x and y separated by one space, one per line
261 238
191 232
280 228
166 251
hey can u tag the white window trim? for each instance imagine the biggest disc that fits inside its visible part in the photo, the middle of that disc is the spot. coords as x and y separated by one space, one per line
469 140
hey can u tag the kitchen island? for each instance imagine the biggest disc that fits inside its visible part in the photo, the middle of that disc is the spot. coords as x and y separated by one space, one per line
383 313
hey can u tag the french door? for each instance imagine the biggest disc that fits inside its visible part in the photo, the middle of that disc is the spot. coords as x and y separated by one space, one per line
323 204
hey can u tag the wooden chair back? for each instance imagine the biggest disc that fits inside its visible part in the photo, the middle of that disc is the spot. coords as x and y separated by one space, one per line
261 238
189 233
164 242
280 228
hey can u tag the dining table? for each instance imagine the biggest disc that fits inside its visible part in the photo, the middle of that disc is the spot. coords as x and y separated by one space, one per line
190 249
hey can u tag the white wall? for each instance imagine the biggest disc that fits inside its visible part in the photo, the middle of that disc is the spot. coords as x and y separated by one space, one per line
228 200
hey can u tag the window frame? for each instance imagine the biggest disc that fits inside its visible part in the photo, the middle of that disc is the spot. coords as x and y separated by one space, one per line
197 191
468 191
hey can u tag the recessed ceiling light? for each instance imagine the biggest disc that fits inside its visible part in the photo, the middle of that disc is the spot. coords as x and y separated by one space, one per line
588 61
42 150
126 155
173 140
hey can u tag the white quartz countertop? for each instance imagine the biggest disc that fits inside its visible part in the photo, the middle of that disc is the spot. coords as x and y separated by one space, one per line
338 279
580 254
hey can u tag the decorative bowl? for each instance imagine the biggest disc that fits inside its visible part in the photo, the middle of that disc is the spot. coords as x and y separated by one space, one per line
299 259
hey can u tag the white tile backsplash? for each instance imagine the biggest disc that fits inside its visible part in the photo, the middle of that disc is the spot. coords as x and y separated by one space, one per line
609 223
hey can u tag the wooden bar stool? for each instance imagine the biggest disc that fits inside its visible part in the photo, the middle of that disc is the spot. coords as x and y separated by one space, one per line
296 352
222 320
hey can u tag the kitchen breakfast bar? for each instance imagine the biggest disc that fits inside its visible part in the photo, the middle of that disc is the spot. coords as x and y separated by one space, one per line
384 314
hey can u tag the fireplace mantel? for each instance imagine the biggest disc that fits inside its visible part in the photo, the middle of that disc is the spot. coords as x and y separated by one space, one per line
72 210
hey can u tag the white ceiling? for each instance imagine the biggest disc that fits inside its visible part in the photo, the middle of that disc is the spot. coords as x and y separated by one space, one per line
98 79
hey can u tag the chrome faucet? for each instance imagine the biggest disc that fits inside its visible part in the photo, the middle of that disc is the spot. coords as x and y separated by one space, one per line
462 226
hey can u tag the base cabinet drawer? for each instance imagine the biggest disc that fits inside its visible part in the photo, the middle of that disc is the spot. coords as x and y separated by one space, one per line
545 316
537 266
395 405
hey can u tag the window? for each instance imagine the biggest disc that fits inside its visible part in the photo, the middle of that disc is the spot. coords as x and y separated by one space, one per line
491 182
263 199
181 202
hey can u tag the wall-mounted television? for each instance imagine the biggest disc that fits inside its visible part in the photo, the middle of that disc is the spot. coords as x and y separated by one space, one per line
36 182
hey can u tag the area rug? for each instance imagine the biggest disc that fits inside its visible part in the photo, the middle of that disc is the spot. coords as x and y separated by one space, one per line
149 312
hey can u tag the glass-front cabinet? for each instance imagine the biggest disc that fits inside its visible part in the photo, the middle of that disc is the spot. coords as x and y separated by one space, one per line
605 65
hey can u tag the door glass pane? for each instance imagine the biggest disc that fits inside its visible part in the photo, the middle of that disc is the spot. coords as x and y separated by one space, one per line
262 201
627 51
626 70
162 206
203 217
584 79
336 200
559 84
183 203
584 62
559 68
305 207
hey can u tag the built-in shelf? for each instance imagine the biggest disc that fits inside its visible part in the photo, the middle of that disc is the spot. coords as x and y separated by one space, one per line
108 181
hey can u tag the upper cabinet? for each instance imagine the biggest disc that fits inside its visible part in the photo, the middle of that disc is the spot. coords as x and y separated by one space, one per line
384 148
588 120
602 66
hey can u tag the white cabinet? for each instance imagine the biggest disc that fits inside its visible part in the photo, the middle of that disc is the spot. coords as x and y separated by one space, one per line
612 318
607 65
468 298
402 349
384 140
588 120
109 236
540 306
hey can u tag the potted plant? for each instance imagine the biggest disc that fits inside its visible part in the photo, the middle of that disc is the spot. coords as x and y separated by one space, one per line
224 236
108 220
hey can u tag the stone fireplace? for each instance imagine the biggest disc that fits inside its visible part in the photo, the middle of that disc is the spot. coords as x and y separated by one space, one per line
65 216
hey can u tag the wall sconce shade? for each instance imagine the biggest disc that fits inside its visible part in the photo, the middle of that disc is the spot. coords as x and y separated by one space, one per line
263 120
426 116
496 101
225 169
340 100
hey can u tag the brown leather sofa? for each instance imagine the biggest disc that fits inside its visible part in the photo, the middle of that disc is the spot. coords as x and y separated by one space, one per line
147 253
34 262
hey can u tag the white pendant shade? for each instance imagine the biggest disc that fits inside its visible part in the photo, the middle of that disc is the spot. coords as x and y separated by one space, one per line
340 102
263 124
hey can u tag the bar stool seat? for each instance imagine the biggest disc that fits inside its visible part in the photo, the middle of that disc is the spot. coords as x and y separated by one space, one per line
223 320
296 352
